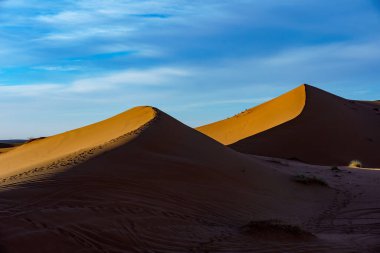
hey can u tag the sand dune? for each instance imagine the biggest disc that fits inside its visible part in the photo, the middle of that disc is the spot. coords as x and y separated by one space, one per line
144 182
40 152
328 129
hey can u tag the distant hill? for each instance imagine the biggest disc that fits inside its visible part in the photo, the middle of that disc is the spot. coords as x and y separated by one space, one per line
13 141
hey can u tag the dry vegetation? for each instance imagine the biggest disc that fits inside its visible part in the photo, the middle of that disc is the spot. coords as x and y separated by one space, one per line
335 169
309 180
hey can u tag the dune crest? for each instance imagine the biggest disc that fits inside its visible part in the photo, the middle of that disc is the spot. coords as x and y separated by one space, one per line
258 119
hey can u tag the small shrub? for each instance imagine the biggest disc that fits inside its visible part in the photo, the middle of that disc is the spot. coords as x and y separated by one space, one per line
335 169
294 159
279 162
355 164
309 180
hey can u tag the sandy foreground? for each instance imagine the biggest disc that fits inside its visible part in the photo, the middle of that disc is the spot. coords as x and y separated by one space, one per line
144 182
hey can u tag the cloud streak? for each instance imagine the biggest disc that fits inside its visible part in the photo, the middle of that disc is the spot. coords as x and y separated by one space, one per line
113 81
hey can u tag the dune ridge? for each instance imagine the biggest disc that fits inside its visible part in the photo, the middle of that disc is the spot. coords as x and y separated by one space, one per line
258 119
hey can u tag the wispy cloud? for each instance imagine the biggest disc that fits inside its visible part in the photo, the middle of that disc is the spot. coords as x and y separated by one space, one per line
67 18
28 90
113 81
58 68
332 52
151 77
99 32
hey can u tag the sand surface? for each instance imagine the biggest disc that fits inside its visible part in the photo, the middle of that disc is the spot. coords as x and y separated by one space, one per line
4 150
330 130
8 146
144 182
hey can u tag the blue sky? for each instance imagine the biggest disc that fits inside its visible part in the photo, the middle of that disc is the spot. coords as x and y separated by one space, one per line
65 64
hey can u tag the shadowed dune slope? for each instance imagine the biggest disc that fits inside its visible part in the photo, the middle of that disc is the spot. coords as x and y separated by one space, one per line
329 131
168 189
39 152
257 119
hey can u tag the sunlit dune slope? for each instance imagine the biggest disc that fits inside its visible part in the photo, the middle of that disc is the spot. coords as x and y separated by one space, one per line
169 189
4 150
257 119
8 146
330 130
39 152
